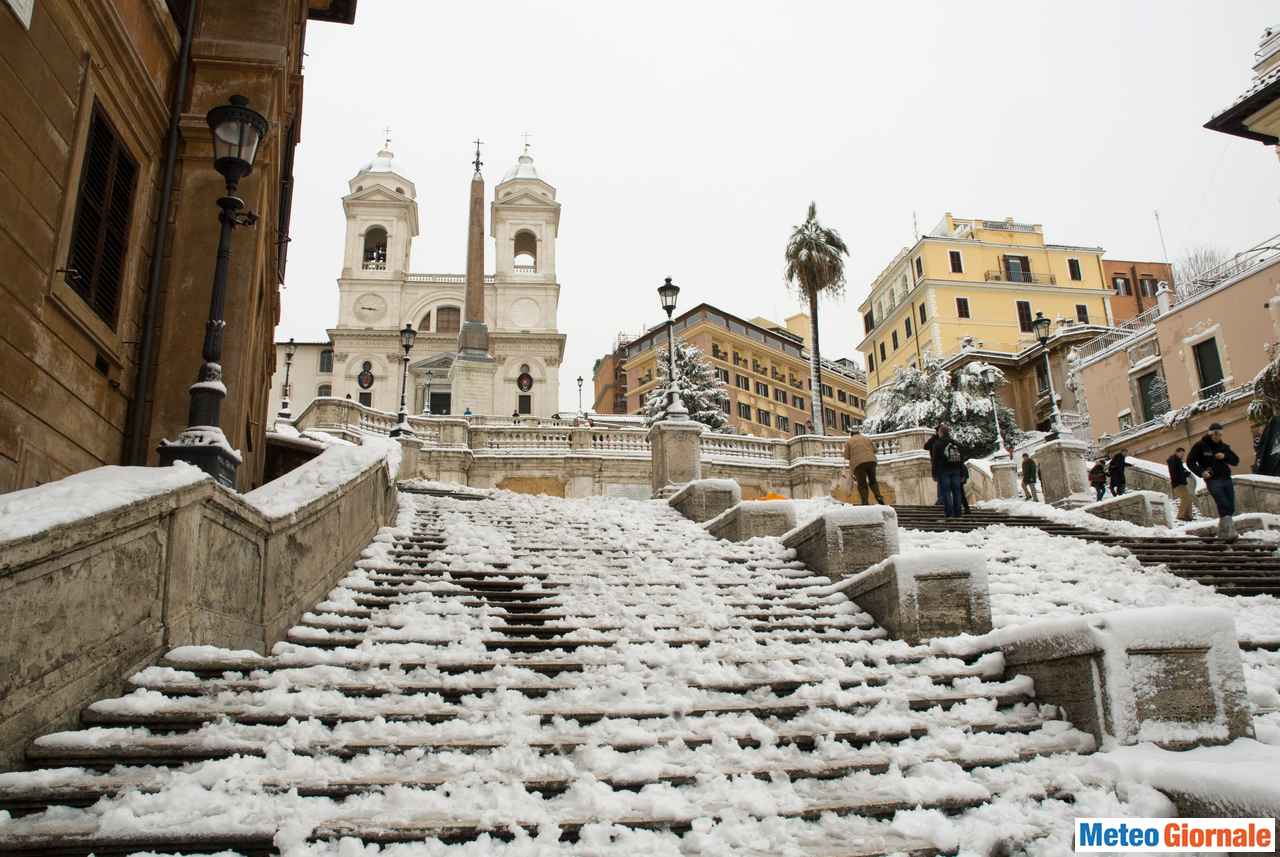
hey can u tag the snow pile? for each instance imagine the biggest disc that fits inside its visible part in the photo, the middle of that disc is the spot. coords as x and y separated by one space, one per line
336 466
84 495
1075 518
1239 777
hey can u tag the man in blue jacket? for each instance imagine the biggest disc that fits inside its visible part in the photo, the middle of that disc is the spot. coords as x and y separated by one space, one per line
1213 459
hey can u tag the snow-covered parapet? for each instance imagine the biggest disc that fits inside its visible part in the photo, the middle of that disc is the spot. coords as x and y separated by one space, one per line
1144 508
845 541
754 519
1063 467
1255 493
1249 523
917 597
1167 675
317 478
703 499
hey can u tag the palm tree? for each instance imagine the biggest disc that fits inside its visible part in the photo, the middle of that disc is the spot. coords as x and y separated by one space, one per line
815 264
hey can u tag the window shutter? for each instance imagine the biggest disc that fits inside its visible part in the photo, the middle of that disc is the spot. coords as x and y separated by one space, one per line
104 207
1024 317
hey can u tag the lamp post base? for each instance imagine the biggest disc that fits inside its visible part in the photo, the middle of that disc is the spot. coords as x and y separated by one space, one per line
216 459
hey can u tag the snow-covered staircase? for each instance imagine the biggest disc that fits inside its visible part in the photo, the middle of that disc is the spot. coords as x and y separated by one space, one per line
592 676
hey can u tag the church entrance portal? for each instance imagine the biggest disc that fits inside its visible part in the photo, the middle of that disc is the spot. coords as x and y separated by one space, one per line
440 404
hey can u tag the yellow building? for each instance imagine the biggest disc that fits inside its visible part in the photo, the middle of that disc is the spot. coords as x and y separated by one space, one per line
764 366
977 284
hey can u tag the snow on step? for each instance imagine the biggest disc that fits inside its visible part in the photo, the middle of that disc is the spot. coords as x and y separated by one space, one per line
599 673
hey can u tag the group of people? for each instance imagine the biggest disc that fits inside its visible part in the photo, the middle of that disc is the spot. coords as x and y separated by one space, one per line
947 461
1109 472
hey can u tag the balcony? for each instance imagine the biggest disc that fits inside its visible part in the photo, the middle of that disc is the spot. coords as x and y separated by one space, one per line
1020 277
525 269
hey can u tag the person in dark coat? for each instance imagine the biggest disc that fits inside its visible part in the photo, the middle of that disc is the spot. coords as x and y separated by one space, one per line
932 447
1029 478
1180 484
1098 477
1115 472
1213 459
948 459
1267 458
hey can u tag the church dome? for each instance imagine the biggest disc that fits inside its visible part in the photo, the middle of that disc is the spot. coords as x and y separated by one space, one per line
385 162
523 169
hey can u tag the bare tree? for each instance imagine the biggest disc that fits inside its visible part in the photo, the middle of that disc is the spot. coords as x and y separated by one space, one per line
1203 265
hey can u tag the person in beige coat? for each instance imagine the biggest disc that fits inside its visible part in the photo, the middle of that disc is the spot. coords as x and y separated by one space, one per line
861 453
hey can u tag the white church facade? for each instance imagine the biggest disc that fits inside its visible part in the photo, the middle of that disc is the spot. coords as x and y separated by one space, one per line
379 295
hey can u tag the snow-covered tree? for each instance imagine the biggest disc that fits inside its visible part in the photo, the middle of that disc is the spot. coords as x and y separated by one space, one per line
701 391
930 395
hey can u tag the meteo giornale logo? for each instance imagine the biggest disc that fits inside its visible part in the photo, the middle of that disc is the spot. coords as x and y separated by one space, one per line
1118 835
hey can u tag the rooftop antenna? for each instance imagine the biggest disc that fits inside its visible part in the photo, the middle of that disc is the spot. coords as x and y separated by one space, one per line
1161 231
479 163
915 225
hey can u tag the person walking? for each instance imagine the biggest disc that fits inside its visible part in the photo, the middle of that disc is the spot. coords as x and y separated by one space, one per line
934 449
1180 484
861 453
1030 474
1098 477
1213 459
1115 471
1267 453
951 471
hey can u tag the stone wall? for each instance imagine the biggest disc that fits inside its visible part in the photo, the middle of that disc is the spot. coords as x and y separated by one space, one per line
82 605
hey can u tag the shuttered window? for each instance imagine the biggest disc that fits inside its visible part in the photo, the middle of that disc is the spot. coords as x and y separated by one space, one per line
1024 317
104 207
448 319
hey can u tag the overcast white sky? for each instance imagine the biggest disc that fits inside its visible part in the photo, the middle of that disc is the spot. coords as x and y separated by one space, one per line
685 139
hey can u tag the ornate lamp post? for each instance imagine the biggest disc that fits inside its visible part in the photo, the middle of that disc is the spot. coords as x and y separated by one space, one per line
579 394
1041 326
1001 452
426 398
290 349
237 132
667 294
406 342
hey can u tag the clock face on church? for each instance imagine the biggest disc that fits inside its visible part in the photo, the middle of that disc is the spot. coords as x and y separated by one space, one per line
369 308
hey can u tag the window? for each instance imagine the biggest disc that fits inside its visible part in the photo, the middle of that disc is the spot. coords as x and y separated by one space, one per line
1082 313
1017 269
104 209
908 326
1209 366
366 399
797 402
829 417
448 319
784 423
883 355
1024 317
842 396
779 395
724 406
919 268
957 264
846 422
1073 268
894 337
1121 285
324 390
924 316
1147 287
326 361
962 310
868 322
722 375
1125 420
425 324
871 361
762 389
742 382
826 390
375 249
524 404
1042 378
744 410
1153 394
764 417
526 251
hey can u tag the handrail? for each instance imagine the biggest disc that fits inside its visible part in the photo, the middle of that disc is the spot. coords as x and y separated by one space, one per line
1020 277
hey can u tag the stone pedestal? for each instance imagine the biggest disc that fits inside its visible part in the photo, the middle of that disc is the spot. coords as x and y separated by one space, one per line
1169 675
922 596
676 448
704 499
471 384
754 519
410 451
1144 508
1004 476
844 542
907 479
1064 468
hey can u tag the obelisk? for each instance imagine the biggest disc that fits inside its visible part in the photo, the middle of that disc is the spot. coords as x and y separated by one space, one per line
472 375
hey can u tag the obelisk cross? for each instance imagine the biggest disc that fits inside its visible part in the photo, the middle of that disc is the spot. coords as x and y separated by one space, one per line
387 130
526 136
479 163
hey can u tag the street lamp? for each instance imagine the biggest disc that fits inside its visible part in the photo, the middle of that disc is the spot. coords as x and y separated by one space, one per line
1041 326
667 294
289 349
426 399
579 394
237 132
406 342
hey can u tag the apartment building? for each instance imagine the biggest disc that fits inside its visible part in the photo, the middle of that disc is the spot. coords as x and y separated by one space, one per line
1134 286
764 366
